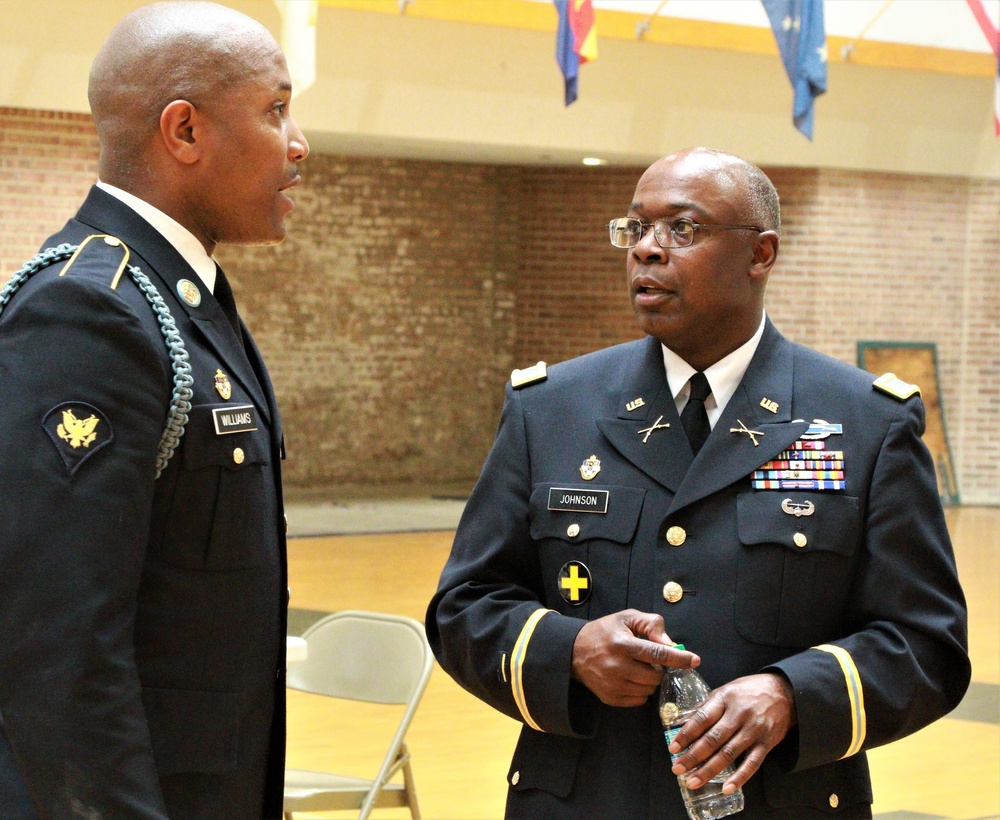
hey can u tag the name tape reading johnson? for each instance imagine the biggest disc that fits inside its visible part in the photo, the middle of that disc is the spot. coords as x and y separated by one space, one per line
569 500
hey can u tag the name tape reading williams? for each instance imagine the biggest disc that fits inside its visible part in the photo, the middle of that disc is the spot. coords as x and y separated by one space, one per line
569 500
239 419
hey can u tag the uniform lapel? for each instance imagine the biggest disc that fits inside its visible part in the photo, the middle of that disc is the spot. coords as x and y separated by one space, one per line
728 456
662 453
166 267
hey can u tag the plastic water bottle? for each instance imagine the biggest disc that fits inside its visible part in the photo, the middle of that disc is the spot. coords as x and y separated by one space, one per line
681 692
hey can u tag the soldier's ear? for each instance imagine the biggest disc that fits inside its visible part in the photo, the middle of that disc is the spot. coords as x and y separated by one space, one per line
182 128
765 253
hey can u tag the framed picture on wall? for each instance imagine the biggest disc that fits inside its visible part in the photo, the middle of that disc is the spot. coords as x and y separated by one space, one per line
916 362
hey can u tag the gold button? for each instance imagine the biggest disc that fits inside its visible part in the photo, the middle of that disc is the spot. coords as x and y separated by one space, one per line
834 801
673 591
676 536
113 241
238 455
514 778
800 539
573 530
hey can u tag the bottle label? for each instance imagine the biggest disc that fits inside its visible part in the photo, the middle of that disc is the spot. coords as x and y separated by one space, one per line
670 734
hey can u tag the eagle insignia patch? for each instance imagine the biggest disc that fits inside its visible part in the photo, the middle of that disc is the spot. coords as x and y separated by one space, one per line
78 430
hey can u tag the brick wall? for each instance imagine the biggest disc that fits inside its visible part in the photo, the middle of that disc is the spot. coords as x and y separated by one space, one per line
408 290
48 161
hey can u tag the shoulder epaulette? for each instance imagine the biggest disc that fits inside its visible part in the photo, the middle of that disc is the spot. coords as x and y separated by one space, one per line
111 244
888 383
530 375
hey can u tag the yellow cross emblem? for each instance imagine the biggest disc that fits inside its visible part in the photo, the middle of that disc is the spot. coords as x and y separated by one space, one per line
573 583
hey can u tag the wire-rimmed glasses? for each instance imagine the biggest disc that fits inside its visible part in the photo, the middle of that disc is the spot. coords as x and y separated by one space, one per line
627 231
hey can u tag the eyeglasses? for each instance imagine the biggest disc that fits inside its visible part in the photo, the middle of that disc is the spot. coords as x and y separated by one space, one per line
627 231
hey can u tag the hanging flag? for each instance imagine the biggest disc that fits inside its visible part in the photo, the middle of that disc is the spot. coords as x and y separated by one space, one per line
801 36
992 34
576 40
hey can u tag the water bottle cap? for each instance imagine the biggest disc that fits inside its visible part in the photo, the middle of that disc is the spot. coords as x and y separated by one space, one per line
679 646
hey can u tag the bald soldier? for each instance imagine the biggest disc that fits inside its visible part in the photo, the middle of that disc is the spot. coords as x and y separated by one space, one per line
715 485
142 545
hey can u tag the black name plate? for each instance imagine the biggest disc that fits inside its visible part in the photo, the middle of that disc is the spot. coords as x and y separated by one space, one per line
570 500
239 419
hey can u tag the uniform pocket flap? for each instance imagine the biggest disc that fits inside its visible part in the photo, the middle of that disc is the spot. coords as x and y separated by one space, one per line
833 789
581 513
544 761
802 521
215 432
192 731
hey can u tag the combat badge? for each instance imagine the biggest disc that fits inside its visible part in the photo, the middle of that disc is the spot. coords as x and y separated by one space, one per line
223 385
798 508
590 468
78 430
574 583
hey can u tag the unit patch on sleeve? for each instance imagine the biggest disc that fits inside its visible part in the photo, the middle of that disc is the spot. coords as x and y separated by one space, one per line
78 430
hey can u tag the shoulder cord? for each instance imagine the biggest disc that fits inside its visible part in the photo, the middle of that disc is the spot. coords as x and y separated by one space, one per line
180 401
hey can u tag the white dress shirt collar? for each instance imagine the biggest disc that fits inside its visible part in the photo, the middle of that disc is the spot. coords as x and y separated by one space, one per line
185 242
723 377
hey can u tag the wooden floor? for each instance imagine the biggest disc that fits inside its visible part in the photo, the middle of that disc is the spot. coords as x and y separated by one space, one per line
461 748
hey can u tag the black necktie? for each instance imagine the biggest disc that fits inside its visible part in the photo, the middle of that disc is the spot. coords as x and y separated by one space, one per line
694 418
224 296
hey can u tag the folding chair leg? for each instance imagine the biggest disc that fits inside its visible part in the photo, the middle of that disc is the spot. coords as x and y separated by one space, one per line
410 786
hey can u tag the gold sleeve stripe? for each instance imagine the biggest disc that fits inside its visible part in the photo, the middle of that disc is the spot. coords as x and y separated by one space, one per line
517 665
855 694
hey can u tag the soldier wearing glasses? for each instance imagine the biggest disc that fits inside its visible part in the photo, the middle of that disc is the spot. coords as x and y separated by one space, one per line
714 485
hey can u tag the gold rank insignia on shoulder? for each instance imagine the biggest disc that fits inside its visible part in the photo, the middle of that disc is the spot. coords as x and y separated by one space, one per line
889 383
530 375
223 385
109 242
78 430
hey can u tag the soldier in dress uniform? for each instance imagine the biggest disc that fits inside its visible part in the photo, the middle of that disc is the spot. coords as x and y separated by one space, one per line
142 543
715 485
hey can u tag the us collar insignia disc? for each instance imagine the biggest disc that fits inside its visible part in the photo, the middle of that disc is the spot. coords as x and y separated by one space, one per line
188 291
574 583
223 385
78 430
590 468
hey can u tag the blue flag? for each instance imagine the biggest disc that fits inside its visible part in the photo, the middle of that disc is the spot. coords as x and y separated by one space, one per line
576 40
801 36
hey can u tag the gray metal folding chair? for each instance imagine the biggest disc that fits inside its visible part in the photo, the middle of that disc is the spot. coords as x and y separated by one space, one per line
370 657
